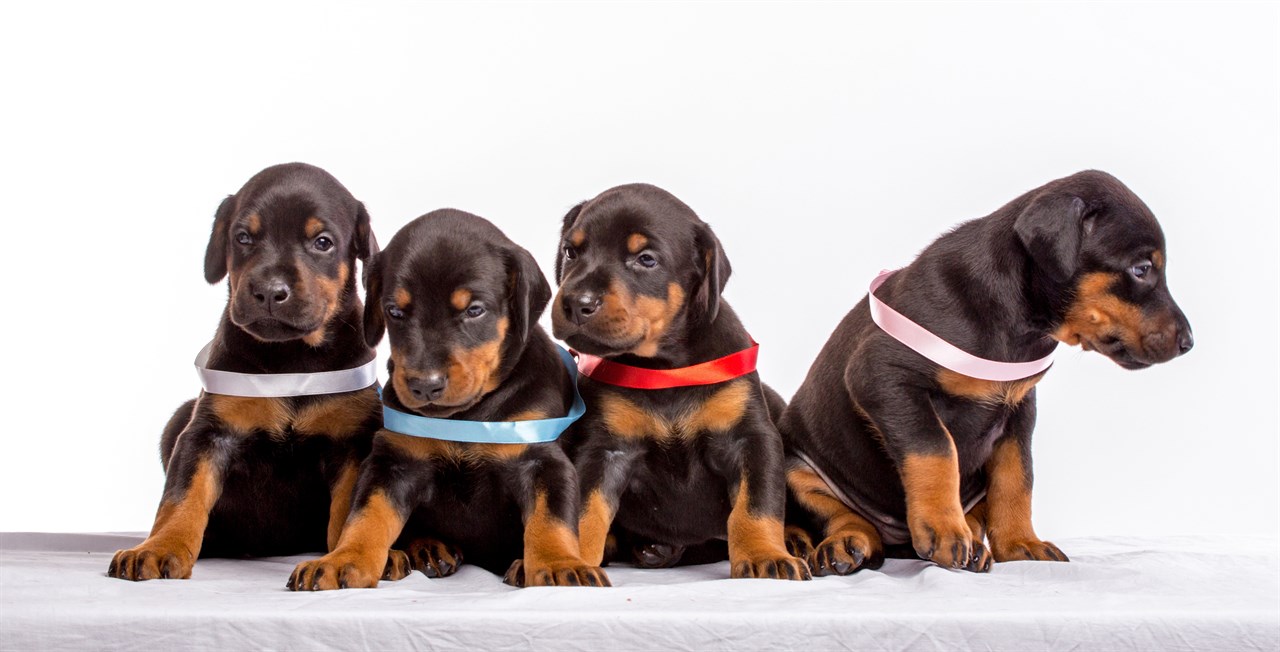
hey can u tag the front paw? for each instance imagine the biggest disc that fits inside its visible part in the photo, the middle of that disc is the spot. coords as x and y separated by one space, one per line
434 558
563 573
336 570
1033 549
777 567
151 562
398 566
945 542
842 554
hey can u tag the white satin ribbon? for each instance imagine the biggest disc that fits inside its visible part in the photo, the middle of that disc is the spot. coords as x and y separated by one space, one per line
230 383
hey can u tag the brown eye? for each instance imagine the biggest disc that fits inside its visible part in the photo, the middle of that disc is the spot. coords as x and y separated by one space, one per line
570 253
323 243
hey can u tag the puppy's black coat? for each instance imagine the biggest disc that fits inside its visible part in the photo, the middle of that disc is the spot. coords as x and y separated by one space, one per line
270 476
907 452
461 303
640 283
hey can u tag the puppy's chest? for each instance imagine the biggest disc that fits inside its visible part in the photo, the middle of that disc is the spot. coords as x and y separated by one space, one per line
339 416
986 392
669 417
974 430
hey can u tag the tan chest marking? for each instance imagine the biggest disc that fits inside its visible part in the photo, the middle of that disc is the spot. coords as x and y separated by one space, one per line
452 451
340 416
720 412
986 391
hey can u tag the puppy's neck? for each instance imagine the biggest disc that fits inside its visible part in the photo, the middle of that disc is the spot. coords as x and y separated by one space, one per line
343 347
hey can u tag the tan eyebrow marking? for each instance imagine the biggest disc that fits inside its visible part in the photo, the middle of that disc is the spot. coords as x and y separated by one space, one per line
636 243
402 297
461 298
314 227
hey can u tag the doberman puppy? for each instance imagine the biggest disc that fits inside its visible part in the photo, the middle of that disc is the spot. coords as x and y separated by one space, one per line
888 447
461 303
640 279
270 476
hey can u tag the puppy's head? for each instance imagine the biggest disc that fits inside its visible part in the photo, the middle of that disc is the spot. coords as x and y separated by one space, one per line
636 268
288 240
1092 240
459 301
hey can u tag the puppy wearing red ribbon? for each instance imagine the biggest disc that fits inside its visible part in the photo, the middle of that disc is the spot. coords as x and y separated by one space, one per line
678 447
467 463
264 461
912 431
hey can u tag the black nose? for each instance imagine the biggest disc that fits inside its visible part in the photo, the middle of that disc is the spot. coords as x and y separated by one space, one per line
273 291
581 306
1185 340
428 387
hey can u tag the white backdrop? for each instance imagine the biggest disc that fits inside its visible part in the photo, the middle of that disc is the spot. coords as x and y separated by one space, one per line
822 142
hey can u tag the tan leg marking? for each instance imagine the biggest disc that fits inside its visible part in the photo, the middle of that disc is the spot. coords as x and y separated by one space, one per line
756 546
593 527
177 535
551 554
1009 508
359 559
934 514
340 502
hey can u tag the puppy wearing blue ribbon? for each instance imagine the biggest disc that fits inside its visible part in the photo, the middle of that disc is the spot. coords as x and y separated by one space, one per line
265 460
467 462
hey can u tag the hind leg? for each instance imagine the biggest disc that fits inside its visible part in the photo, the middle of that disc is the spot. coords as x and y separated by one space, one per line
850 542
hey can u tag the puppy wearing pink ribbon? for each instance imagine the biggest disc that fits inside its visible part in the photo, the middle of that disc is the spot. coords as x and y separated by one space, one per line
912 430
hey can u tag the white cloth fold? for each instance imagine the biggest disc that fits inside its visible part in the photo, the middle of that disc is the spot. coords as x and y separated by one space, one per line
1180 593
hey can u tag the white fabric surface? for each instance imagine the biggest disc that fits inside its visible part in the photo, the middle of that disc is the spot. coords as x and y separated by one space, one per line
1182 593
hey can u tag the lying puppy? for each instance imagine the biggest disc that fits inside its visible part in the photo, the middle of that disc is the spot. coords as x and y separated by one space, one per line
461 303
891 447
271 475
673 464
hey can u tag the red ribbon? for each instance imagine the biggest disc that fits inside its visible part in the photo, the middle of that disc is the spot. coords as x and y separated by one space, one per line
734 365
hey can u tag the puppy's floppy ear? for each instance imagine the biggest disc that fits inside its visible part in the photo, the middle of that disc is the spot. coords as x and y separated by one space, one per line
528 292
366 243
374 323
215 254
1051 229
569 219
705 304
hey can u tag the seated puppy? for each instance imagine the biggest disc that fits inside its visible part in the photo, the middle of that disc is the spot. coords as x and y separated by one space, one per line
461 304
930 446
271 472
691 456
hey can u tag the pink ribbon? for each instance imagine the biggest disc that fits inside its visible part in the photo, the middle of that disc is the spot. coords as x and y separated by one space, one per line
919 339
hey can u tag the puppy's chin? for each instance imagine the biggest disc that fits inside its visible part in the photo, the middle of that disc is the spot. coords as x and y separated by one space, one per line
1118 352
269 329
440 411
586 343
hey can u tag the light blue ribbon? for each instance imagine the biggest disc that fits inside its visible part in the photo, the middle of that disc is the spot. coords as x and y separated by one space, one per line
490 432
